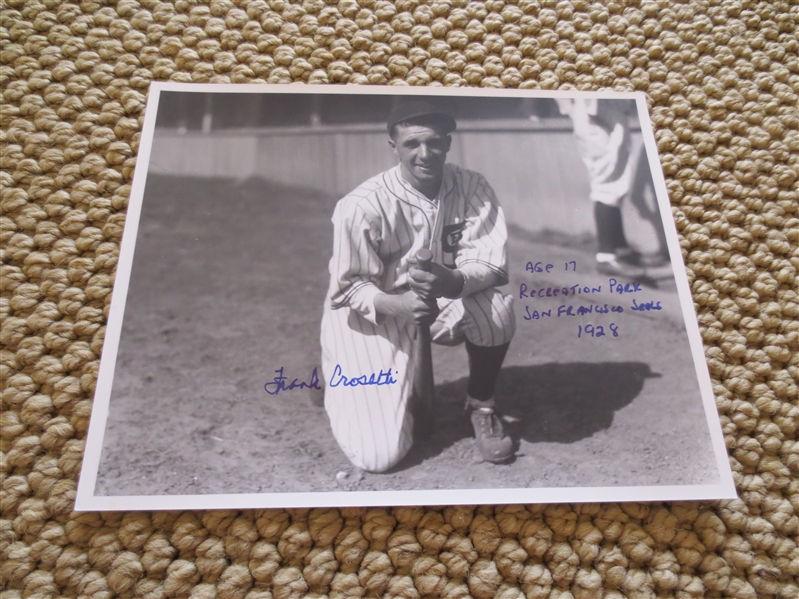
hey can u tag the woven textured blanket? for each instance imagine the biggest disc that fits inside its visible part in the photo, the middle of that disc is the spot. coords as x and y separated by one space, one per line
722 80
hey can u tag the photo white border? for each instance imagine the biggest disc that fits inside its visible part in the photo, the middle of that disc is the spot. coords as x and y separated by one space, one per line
86 500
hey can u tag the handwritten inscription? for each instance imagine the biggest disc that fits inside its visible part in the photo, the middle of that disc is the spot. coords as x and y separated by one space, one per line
592 295
571 310
645 306
596 331
280 383
620 288
615 287
525 291
378 379
538 267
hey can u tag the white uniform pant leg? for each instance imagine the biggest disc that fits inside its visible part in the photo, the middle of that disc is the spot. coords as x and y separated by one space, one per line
485 318
607 159
372 424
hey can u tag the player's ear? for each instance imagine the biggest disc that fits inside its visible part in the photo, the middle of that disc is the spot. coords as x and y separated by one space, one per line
447 143
392 144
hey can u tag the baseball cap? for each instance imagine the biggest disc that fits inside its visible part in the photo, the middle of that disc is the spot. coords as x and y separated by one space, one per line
408 110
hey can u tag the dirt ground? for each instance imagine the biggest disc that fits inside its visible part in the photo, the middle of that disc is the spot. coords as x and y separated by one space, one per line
227 287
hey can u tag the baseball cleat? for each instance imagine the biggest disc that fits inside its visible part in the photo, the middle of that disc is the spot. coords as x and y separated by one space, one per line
495 446
620 264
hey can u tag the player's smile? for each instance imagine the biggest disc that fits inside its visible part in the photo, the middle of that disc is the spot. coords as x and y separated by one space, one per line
422 152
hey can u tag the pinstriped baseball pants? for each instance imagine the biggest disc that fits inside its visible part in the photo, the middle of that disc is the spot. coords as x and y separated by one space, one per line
372 423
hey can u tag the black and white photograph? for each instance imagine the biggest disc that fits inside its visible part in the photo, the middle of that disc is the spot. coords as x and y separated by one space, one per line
333 296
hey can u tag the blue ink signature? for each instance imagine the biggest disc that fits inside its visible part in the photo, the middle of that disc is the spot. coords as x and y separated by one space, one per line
278 384
381 378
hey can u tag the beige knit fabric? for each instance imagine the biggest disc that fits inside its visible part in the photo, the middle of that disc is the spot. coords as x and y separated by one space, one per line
722 78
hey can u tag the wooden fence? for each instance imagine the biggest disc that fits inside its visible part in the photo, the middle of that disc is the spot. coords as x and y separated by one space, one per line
533 166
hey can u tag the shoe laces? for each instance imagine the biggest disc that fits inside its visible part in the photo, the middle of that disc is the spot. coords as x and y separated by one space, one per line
485 421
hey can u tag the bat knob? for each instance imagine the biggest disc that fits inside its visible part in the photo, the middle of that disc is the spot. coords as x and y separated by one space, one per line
424 258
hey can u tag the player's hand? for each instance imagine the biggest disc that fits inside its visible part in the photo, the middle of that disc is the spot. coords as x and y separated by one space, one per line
407 306
439 282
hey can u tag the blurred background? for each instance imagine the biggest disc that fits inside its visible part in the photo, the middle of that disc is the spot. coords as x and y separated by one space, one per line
333 142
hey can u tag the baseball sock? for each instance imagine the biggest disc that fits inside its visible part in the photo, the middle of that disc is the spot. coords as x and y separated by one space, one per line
609 228
484 366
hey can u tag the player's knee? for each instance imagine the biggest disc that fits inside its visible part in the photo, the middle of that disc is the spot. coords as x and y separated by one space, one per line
372 454
378 463
503 305
493 321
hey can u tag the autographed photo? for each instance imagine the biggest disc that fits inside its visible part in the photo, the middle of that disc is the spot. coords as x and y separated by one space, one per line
329 296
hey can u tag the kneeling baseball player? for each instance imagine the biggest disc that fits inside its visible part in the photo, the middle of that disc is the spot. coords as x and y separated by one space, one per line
377 296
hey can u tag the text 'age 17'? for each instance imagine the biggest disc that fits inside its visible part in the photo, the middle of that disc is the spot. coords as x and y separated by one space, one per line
542 267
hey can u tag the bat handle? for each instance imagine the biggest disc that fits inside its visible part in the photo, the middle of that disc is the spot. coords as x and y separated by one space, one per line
424 259
423 383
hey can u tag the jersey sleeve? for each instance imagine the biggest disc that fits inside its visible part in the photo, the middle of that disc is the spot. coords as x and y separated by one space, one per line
483 246
355 268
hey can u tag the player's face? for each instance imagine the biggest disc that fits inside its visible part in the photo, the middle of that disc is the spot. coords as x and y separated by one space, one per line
422 152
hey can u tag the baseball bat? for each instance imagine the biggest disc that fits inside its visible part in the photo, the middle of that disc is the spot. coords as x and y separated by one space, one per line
423 382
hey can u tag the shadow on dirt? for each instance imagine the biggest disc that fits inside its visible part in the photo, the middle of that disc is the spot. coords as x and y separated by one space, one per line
554 403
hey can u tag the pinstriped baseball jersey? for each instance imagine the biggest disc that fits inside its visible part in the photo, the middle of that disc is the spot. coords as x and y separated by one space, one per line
378 228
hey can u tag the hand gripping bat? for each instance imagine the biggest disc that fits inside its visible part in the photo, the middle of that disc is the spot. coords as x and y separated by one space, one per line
423 383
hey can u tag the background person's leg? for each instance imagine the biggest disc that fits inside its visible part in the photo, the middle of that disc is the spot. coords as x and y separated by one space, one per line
614 255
